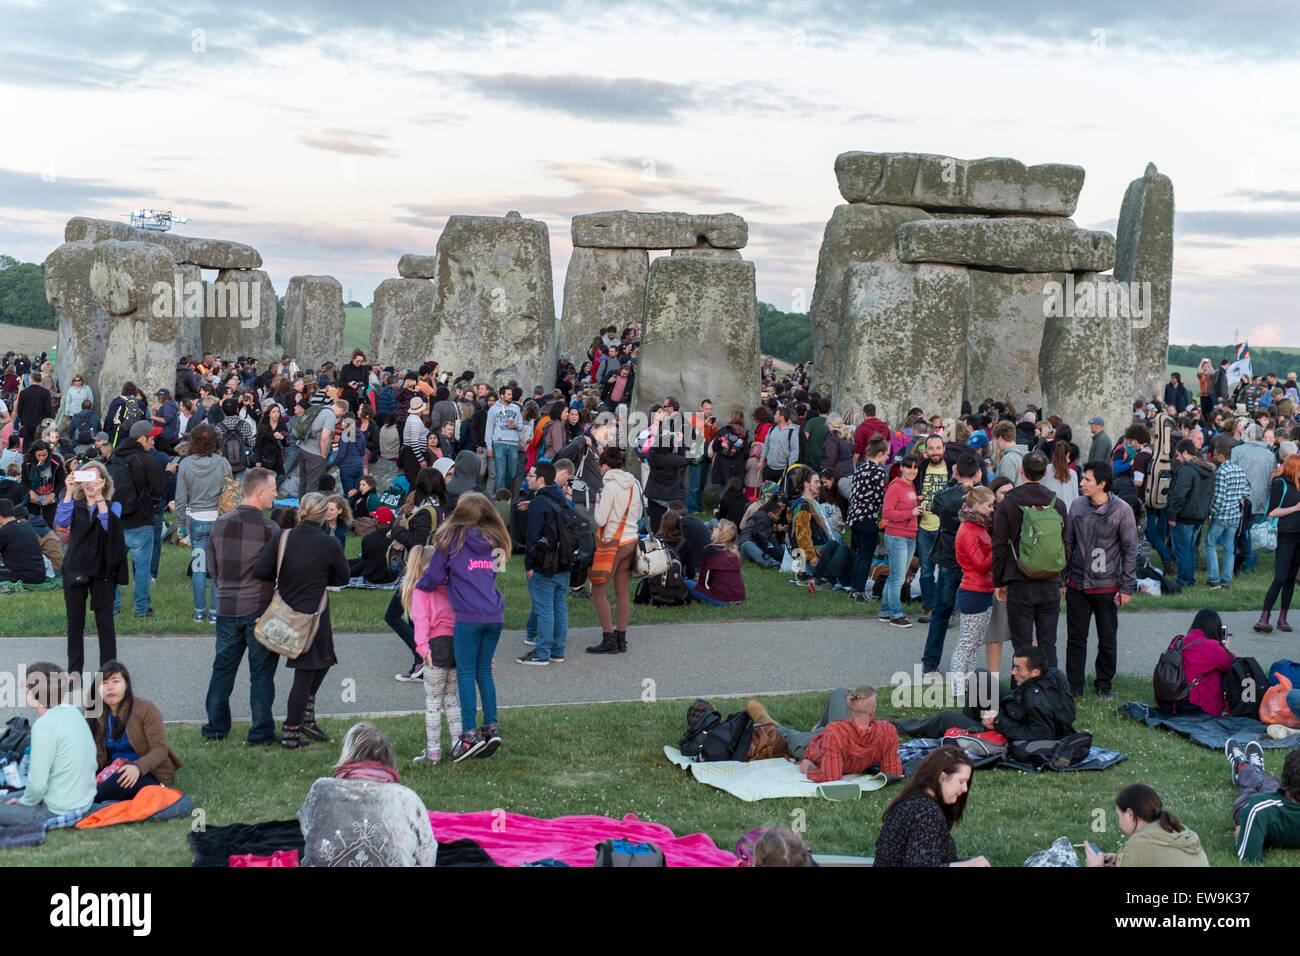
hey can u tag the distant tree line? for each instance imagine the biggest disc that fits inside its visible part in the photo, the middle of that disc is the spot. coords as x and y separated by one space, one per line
1262 360
22 295
786 336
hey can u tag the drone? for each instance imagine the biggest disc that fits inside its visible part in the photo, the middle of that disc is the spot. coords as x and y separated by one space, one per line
155 220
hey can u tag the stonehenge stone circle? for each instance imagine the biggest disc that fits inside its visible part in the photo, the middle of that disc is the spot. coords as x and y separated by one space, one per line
1145 253
401 323
1015 245
313 320
142 345
83 323
1004 335
601 287
659 230
186 250
240 319
413 266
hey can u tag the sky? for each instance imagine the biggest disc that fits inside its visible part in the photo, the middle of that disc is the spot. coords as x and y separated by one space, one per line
336 136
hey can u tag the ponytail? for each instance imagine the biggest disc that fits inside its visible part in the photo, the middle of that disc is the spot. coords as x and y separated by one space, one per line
1169 823
1146 805
1061 460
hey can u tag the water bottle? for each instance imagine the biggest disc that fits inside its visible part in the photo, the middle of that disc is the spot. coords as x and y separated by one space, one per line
25 765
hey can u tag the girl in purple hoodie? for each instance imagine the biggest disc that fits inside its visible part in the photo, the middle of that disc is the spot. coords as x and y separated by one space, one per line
470 549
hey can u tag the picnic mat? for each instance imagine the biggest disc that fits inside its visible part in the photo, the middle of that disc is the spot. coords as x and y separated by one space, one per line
360 582
1212 732
912 752
514 840
764 779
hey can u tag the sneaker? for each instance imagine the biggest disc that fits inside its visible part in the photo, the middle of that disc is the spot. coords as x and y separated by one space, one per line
466 745
491 740
198 617
883 619
1213 585
859 596
532 658
557 658
900 622
268 742
1105 695
820 584
1281 731
148 613
1255 755
580 593
429 756
925 615
212 616
415 673
530 641
1236 756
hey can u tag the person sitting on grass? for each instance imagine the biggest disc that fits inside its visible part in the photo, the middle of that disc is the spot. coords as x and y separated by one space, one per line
780 846
362 815
1268 810
847 738
338 518
760 541
720 583
1155 837
917 827
130 729
61 778
365 498
374 565
1206 661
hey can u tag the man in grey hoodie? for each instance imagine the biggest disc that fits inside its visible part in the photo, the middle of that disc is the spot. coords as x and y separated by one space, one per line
781 449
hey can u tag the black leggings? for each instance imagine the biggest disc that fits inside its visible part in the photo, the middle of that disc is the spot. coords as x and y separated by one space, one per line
305 685
1285 567
101 593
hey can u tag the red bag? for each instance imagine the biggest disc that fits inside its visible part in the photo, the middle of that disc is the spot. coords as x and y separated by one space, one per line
1273 708
278 858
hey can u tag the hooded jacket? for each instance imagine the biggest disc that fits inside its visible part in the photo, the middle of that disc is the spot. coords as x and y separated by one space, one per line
1192 492
198 483
618 494
1152 845
667 480
465 478
470 575
150 482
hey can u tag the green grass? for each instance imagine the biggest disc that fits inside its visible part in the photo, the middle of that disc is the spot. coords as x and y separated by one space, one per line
768 597
356 329
607 759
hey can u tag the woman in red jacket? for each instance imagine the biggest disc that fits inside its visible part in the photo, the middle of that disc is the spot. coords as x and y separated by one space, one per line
1206 661
975 596
720 583
900 514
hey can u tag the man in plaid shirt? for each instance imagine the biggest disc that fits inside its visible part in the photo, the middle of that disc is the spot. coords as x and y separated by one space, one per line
1230 489
237 540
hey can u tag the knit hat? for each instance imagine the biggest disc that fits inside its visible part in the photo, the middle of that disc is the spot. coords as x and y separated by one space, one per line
383 515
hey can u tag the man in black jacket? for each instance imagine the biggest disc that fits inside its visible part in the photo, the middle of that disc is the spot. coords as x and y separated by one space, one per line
32 408
1190 495
548 573
150 485
20 549
946 505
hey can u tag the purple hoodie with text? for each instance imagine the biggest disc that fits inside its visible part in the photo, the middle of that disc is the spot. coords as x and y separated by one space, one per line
470 575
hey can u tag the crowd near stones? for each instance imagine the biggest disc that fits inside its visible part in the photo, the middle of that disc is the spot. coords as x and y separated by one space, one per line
986 429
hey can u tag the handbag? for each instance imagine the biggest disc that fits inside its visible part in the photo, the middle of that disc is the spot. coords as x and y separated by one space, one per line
603 562
651 557
281 629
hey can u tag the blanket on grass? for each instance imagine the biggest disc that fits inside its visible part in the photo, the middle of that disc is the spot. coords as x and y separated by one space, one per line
360 582
149 803
764 779
513 840
912 752
1212 732
215 846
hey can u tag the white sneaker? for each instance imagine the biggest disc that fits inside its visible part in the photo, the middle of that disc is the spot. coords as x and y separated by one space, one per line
415 673
1281 731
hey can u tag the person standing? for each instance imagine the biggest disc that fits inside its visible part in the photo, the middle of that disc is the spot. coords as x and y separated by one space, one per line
1101 550
1191 494
932 476
32 408
704 427
198 489
546 568
1102 445
139 483
865 505
315 446
945 508
504 419
77 393
1011 454
1284 506
1231 491
236 542
618 511
901 511
781 446
1257 460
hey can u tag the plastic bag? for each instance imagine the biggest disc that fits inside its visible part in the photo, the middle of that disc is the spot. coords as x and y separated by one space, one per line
1273 708
1060 853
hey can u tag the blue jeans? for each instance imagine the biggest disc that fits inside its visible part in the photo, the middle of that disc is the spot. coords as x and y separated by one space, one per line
835 564
475 644
1183 534
900 558
506 455
139 541
1220 533
945 596
199 531
924 544
866 535
756 554
1248 556
234 635
349 479
159 529
1157 529
695 489
547 593
704 598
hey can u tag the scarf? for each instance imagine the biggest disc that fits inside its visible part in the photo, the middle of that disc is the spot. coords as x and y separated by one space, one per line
967 513
368 770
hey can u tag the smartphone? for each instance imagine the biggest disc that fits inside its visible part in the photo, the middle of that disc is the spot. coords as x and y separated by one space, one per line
87 474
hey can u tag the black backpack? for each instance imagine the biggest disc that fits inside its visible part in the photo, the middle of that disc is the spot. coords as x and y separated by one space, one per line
728 740
132 412
1244 686
628 853
575 540
125 492
234 450
700 719
17 735
667 589
1052 754
1168 681
85 433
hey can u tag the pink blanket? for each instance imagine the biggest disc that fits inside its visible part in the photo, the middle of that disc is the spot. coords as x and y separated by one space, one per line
512 840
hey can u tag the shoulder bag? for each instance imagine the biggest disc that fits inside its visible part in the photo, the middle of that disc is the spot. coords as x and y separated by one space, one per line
281 629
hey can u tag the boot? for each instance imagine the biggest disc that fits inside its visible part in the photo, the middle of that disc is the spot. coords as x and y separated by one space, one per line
621 638
1282 625
308 726
758 713
607 644
1262 624
290 739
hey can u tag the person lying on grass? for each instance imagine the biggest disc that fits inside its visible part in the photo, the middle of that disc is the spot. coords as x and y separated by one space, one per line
847 739
917 827
1155 837
1268 810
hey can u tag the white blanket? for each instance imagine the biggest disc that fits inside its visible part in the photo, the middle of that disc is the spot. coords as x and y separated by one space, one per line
763 779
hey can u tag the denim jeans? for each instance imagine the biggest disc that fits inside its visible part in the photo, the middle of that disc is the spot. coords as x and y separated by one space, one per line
924 544
1183 534
199 531
547 593
159 529
349 479
139 541
506 455
234 636
756 554
1220 533
699 477
945 596
900 558
835 564
1157 530
866 535
703 598
475 644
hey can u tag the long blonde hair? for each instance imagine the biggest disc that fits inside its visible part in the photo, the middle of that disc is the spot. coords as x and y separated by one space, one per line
312 507
473 510
417 561
725 534
79 493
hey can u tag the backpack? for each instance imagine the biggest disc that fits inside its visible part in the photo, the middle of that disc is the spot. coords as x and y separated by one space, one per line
729 739
125 492
1244 686
397 552
982 745
301 426
628 853
700 719
395 494
85 434
667 589
17 735
1168 681
1052 754
575 546
730 444
132 412
1155 490
1042 541
234 450
230 497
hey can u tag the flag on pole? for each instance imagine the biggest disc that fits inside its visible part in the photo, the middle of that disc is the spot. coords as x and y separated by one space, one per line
1241 368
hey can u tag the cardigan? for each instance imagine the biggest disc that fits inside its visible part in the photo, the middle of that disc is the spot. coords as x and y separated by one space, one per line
144 731
915 833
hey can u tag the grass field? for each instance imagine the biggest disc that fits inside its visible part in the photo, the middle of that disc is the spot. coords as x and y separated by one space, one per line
22 339
608 759
356 330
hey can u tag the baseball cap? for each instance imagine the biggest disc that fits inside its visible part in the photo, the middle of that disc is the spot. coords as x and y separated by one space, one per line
145 430
383 515
1097 421
163 391
101 436
443 465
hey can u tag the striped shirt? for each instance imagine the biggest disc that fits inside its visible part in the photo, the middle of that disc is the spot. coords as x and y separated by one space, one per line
234 545
1230 486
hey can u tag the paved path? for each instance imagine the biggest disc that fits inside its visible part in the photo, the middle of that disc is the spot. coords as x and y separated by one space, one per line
679 661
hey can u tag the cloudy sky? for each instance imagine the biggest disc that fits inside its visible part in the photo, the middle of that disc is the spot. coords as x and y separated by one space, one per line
335 136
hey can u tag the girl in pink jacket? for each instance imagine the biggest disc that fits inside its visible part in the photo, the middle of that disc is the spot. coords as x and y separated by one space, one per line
434 622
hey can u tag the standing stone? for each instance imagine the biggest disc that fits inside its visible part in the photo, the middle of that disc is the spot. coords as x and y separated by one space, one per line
1145 253
1018 245
902 338
401 325
240 314
700 338
1005 334
83 323
495 300
313 320
133 282
855 233
1087 359
190 339
945 183
602 287
659 230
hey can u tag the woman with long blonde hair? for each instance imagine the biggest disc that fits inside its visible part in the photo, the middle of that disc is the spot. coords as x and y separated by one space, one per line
470 549
435 624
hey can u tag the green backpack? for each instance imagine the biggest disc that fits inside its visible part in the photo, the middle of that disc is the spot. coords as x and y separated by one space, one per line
1042 541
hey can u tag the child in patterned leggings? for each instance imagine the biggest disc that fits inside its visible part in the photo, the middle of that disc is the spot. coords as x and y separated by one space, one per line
434 622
